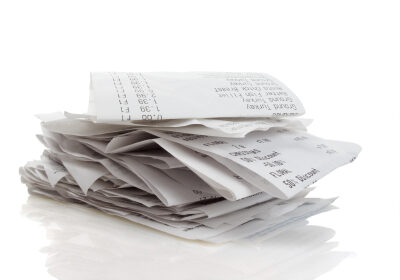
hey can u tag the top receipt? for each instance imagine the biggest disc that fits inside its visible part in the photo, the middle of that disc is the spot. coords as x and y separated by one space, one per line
133 96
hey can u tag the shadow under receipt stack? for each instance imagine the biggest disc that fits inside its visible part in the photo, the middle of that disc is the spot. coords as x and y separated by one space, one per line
207 156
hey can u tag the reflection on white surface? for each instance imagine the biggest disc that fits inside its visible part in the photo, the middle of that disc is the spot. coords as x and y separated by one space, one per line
87 244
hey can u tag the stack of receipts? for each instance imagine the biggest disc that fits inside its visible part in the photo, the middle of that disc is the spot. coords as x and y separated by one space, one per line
206 156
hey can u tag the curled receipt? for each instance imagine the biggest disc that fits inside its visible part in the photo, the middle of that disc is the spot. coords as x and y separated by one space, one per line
129 96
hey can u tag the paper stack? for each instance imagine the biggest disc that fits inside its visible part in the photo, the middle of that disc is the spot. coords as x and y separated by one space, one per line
207 156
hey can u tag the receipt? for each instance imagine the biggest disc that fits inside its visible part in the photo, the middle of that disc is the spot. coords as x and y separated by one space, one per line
120 96
281 162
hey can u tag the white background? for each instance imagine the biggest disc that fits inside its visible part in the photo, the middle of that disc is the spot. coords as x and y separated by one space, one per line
340 57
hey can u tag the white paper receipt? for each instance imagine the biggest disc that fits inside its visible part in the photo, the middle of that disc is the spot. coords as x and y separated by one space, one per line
281 162
129 96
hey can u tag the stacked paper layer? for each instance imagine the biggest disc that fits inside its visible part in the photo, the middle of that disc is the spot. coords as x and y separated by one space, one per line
208 156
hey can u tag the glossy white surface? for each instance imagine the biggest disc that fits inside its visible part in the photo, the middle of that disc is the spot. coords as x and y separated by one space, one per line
341 58
85 244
